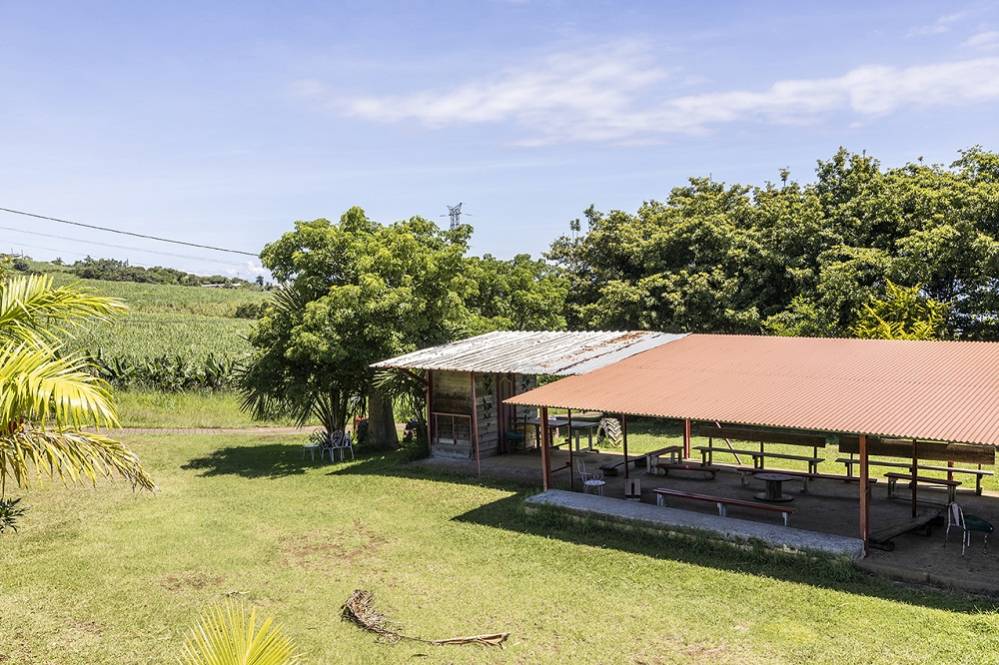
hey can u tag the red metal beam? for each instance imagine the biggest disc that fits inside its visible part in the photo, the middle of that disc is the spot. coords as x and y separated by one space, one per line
624 436
571 472
546 472
865 493
686 439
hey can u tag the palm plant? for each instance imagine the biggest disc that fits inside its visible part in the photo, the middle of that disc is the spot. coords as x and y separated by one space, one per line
227 635
49 402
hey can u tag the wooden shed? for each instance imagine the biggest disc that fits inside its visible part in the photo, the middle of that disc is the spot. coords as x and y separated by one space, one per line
469 380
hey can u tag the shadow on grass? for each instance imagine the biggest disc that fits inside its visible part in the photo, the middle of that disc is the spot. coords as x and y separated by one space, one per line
270 460
818 571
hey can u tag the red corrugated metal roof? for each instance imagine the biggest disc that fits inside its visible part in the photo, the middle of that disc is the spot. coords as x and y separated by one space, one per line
944 391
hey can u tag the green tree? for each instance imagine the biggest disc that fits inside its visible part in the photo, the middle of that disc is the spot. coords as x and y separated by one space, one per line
48 401
519 294
902 313
351 293
792 258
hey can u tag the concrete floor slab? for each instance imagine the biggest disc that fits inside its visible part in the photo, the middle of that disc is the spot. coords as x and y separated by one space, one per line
673 519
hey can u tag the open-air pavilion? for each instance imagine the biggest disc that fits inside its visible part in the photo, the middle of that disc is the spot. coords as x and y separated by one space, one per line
932 404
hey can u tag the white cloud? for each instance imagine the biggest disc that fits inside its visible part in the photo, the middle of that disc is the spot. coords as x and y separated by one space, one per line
984 41
938 27
614 95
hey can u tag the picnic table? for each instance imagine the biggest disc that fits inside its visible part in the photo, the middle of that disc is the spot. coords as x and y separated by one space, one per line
775 487
558 422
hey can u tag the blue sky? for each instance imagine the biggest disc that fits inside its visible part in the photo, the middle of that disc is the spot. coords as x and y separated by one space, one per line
224 124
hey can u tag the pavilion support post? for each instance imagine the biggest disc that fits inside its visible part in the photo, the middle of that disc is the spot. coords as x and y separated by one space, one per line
624 438
571 462
475 427
865 493
915 466
686 438
546 470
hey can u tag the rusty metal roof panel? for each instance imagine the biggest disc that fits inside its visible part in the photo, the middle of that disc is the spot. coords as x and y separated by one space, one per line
524 352
945 391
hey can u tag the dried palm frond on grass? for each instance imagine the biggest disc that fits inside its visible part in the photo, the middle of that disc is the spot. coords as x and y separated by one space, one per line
360 610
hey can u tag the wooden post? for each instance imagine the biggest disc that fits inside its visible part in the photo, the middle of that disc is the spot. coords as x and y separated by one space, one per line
915 455
430 408
686 439
475 427
546 474
950 465
498 407
571 467
865 493
624 437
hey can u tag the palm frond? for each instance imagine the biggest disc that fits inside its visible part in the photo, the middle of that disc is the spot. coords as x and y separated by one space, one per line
227 635
70 454
37 387
32 309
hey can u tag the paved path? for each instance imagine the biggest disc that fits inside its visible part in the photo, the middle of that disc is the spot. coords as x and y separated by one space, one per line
672 519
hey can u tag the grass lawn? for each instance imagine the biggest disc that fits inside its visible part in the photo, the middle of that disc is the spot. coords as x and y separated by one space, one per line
102 576
192 409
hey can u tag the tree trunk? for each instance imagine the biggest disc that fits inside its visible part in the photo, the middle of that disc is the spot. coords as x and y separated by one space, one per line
381 421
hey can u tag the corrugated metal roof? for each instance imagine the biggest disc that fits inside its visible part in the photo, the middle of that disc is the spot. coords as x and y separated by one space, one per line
521 352
943 391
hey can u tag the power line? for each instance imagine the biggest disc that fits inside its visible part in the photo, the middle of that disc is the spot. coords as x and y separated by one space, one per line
127 233
114 246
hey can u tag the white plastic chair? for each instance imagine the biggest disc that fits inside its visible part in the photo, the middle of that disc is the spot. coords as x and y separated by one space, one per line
311 447
957 519
340 443
592 480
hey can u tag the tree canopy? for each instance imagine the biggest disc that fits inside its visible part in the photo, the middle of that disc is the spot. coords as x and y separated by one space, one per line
793 258
352 292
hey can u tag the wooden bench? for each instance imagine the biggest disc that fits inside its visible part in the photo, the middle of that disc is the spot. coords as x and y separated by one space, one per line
758 456
807 477
693 467
652 458
611 469
883 538
951 485
722 502
978 473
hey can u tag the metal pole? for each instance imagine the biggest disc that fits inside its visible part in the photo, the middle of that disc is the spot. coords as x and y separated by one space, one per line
624 435
865 493
546 478
686 439
571 467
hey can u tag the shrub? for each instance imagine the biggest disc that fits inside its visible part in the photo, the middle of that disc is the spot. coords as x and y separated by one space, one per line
227 635
10 512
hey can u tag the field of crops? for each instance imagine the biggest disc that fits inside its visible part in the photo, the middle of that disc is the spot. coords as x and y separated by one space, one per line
171 338
139 335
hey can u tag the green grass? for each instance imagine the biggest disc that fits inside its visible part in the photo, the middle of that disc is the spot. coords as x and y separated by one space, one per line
645 435
155 409
104 576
